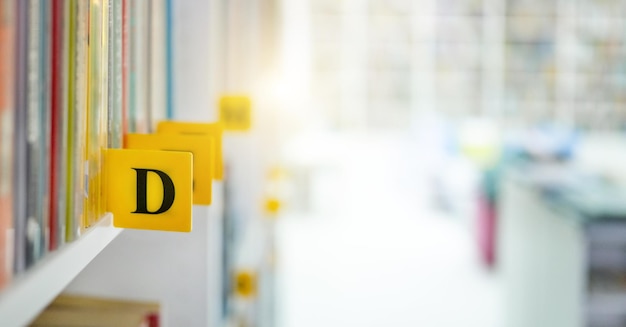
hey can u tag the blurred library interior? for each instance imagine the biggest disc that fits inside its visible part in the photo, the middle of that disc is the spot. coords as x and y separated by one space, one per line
354 163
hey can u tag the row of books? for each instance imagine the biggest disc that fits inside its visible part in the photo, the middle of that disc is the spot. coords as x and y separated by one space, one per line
75 76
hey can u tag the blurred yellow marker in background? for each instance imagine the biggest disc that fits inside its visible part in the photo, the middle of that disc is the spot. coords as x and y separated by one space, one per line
236 112
273 206
245 284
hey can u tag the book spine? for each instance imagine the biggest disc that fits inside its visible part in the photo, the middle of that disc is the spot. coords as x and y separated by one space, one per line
7 22
105 105
133 59
97 111
64 177
93 108
115 74
70 200
125 66
139 68
20 136
147 64
142 64
117 130
169 58
77 107
45 125
158 63
56 111
34 120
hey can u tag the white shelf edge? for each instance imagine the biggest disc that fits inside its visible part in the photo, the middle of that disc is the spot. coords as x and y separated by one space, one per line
27 295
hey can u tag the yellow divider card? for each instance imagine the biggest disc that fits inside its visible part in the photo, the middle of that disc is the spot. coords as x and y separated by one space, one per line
147 189
214 130
202 148
236 112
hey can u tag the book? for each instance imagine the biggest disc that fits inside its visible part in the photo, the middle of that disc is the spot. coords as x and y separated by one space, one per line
63 174
77 115
7 21
115 67
75 310
132 59
157 103
57 122
20 135
37 125
103 114
139 68
169 58
97 108
44 123
125 64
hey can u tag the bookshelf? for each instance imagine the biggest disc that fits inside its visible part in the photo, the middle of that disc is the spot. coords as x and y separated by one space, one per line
520 62
185 272
114 107
30 293
180 74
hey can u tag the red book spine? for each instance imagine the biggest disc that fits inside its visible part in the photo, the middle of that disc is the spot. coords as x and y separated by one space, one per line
56 112
153 320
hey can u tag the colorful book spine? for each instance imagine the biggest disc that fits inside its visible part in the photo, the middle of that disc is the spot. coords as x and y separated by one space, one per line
56 127
37 128
157 79
169 58
147 64
97 108
103 113
125 65
115 74
77 117
7 21
133 59
70 199
20 172
63 174
44 136
75 75
144 61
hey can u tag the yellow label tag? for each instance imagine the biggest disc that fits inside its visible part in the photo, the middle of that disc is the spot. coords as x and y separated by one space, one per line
236 112
214 130
149 189
199 145
272 206
245 284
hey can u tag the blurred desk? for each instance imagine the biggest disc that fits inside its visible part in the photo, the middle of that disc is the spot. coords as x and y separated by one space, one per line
562 239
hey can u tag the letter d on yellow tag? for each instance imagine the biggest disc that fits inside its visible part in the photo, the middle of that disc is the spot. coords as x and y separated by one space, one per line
149 189
201 146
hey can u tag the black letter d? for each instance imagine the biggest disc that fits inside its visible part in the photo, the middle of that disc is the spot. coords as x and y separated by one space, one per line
142 182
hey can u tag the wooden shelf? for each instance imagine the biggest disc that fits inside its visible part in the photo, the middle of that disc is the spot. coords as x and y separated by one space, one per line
31 292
